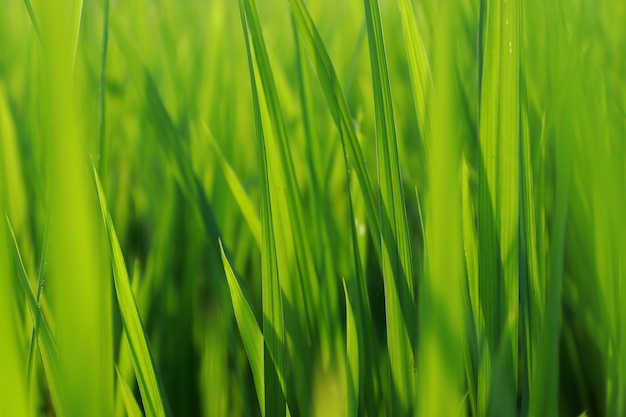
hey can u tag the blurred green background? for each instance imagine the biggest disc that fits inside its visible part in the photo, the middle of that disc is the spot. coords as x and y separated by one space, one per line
169 125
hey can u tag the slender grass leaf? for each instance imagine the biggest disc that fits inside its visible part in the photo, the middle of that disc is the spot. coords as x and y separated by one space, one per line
395 241
421 78
472 298
442 323
155 403
132 408
284 193
33 19
498 189
352 347
101 158
47 347
249 330
273 327
338 107
531 293
34 335
242 199
13 387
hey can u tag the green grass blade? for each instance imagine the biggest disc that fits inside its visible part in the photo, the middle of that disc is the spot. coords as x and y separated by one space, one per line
75 19
236 188
273 326
101 158
12 378
421 78
320 215
284 192
470 247
33 19
34 335
353 317
47 347
531 294
545 396
442 323
152 395
498 204
132 408
80 293
338 107
249 330
396 250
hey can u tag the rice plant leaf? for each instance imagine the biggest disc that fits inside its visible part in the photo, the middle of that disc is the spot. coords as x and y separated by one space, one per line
531 294
47 347
33 19
101 158
248 328
13 387
544 397
498 189
470 247
395 241
241 197
320 214
273 326
132 408
34 335
352 346
338 107
284 192
470 244
442 321
77 12
419 67
152 394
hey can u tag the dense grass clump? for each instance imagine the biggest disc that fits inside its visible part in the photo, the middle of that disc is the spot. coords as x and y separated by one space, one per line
313 208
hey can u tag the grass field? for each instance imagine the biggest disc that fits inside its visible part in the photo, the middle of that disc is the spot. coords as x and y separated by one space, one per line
313 208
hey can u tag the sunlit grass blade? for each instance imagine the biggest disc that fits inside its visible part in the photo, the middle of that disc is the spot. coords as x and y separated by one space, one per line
395 241
283 187
33 19
531 291
353 317
74 27
80 296
153 397
369 386
419 67
101 157
47 347
544 394
470 244
498 190
470 247
236 188
249 330
273 325
442 323
34 335
132 408
12 377
320 216
338 107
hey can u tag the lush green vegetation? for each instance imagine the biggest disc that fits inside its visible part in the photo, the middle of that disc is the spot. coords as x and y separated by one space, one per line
313 208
